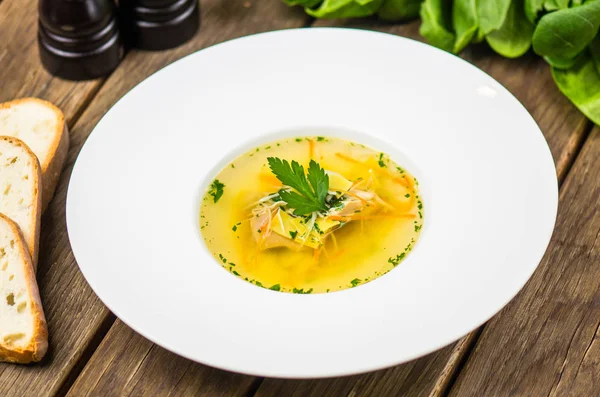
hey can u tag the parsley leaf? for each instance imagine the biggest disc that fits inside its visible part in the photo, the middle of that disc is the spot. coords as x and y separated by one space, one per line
216 190
309 195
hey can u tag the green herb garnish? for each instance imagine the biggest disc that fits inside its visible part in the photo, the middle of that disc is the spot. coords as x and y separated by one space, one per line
395 261
355 282
310 190
275 287
216 190
301 291
293 234
381 162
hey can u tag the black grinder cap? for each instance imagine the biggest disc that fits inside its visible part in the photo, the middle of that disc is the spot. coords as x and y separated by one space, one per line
158 24
79 39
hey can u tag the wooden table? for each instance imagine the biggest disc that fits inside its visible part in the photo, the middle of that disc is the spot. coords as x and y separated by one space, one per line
546 342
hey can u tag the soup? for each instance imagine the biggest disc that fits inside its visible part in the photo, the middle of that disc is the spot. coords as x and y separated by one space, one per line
311 215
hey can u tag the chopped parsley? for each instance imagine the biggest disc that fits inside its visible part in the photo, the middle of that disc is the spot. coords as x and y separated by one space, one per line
293 234
381 162
234 228
320 139
407 195
275 287
301 291
216 190
396 260
355 282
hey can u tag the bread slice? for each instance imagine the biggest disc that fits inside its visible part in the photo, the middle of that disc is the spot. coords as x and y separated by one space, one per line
20 190
23 329
41 125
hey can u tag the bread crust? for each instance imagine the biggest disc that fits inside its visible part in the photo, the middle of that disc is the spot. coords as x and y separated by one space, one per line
38 345
54 164
37 216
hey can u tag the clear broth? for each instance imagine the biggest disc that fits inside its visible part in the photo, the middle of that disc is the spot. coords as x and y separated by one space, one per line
359 252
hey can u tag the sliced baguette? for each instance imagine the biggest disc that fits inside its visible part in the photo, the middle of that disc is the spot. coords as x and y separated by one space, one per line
23 328
20 190
41 125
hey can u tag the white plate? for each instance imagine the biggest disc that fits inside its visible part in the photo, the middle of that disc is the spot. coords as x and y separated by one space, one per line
488 180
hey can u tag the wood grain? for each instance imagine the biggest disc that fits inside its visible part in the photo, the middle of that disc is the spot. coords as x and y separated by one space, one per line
563 126
21 73
126 364
77 319
545 342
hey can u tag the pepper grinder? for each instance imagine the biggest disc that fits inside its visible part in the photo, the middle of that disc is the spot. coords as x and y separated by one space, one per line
158 24
79 39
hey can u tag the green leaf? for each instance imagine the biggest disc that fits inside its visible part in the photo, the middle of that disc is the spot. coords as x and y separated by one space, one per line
553 5
276 287
319 180
563 63
434 25
465 22
513 39
565 33
292 176
492 14
310 193
581 84
303 3
595 51
333 9
399 10
533 9
301 205
479 36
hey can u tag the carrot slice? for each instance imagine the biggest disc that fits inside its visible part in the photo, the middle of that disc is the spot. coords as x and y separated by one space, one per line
348 158
311 148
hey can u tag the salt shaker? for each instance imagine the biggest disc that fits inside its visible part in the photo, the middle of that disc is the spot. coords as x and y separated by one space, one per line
158 24
79 39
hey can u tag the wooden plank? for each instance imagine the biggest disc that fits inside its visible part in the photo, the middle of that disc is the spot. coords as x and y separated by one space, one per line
545 342
77 319
127 364
21 73
564 127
